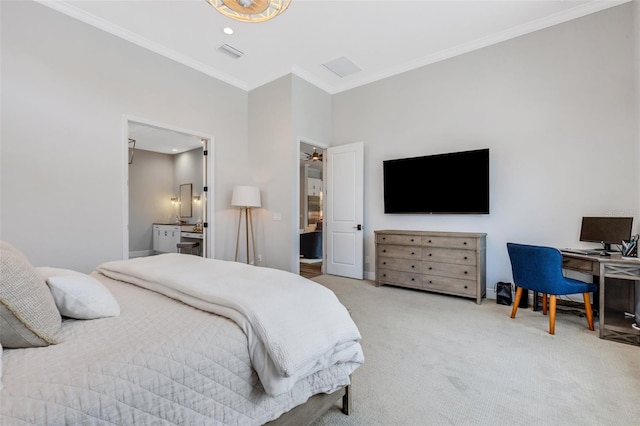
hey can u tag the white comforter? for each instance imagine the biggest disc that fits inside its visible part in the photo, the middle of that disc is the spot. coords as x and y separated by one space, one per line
295 327
161 362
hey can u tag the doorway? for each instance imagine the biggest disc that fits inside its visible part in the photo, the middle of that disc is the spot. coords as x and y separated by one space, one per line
163 163
311 209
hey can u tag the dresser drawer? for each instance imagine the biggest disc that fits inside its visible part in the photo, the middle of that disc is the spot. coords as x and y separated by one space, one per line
456 256
404 252
450 242
396 264
449 285
467 272
405 279
405 240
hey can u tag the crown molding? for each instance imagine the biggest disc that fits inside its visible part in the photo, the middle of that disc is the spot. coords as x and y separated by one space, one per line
520 30
134 38
340 86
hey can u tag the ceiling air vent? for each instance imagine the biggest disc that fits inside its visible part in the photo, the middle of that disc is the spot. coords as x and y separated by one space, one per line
342 67
231 51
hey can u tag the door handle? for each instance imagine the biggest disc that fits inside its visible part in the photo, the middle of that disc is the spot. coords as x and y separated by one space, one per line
359 227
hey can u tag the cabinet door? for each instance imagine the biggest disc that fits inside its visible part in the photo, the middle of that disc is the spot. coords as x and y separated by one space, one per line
314 186
166 238
156 238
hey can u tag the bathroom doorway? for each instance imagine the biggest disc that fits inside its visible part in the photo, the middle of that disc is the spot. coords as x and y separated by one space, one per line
167 185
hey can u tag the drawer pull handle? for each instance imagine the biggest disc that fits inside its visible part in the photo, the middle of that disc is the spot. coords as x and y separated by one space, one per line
429 240
429 254
413 266
413 279
384 275
466 286
384 238
384 250
430 268
465 272
465 258
412 240
465 243
412 253
384 263
430 282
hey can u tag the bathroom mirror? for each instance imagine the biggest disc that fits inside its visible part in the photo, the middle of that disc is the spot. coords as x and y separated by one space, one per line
185 199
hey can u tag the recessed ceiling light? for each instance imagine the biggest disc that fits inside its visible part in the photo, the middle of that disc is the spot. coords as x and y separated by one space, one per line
228 30
174 150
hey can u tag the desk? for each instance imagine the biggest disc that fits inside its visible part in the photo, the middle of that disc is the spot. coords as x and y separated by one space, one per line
614 324
614 297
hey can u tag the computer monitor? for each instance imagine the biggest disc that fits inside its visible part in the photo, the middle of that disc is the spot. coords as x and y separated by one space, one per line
606 230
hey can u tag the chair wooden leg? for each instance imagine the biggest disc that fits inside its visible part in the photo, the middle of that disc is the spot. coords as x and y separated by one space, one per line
552 314
588 311
516 302
544 303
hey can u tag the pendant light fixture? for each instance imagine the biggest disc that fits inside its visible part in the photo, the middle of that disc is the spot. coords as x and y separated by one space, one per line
250 10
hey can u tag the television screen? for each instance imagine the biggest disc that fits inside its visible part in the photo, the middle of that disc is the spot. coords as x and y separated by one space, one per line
456 182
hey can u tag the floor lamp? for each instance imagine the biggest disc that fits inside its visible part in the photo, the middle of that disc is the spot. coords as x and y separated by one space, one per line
246 197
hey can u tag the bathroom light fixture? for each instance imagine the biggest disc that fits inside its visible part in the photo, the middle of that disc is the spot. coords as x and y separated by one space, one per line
196 198
228 30
132 148
174 200
250 10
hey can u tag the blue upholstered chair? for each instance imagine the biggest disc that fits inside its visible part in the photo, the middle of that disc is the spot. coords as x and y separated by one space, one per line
539 268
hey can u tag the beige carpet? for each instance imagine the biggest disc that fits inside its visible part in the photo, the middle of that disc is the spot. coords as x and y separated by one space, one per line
441 360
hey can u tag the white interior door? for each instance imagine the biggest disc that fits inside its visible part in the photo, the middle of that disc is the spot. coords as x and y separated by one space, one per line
344 210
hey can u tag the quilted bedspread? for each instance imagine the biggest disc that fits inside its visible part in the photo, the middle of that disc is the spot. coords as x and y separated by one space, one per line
159 362
294 326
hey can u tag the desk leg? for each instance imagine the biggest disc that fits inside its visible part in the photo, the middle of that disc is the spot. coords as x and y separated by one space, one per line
596 296
536 307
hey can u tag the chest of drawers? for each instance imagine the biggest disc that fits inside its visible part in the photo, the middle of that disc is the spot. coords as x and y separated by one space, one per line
444 262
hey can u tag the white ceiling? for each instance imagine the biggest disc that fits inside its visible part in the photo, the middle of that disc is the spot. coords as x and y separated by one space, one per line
165 141
381 37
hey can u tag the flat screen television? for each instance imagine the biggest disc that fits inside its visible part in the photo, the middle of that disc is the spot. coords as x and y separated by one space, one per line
606 230
451 183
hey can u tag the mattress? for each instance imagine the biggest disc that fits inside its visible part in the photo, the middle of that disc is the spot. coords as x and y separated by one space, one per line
159 362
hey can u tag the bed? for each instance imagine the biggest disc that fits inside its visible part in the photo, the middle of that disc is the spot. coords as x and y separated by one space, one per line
161 360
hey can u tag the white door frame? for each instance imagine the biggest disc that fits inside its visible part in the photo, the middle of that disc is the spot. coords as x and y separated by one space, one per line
207 170
295 259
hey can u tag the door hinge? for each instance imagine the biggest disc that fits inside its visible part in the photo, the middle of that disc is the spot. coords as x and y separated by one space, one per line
205 225
205 152
205 189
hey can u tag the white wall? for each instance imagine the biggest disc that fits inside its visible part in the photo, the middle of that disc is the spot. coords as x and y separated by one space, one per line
66 88
281 113
150 193
272 162
556 109
188 168
636 41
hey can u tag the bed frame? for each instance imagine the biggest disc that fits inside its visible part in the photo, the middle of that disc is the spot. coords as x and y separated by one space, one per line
316 406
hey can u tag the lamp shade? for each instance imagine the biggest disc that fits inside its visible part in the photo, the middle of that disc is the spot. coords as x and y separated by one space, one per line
246 196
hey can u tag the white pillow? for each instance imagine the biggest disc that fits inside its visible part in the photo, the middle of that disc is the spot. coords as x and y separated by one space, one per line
79 295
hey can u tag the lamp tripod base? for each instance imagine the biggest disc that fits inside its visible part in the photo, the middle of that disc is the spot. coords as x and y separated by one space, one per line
248 227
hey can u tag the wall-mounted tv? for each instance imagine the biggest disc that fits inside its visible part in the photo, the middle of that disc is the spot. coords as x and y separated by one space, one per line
455 183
